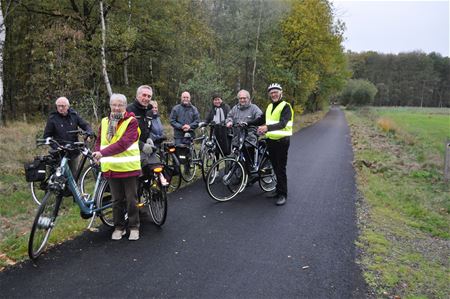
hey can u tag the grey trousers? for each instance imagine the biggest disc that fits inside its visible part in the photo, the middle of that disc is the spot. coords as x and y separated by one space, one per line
124 197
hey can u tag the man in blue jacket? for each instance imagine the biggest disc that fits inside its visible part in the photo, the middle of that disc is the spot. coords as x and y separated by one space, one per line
184 118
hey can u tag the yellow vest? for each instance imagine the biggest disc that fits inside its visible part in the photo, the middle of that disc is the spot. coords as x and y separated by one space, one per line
273 117
128 160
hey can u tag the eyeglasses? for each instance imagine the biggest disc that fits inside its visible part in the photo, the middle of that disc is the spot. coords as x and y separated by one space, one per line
117 105
244 98
61 106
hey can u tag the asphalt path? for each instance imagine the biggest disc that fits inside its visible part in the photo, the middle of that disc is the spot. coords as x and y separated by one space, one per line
244 248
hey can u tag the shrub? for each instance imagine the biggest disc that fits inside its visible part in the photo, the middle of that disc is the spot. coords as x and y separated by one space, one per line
358 93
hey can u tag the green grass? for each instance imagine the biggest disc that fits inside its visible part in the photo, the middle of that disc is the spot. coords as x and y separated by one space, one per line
405 239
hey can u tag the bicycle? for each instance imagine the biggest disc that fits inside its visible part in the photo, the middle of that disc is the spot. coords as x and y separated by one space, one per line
59 182
230 175
166 154
152 192
188 156
210 150
48 163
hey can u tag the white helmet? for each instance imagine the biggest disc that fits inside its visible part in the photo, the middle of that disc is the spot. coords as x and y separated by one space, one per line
274 86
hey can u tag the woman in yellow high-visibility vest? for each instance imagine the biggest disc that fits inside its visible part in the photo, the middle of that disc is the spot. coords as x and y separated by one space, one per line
277 123
117 149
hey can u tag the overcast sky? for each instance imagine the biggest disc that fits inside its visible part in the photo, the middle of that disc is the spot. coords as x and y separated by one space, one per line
395 26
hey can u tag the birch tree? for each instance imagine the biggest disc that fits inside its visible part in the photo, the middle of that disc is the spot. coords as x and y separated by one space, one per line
103 53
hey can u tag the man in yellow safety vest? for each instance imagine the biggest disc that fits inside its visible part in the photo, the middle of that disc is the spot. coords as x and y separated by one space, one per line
277 123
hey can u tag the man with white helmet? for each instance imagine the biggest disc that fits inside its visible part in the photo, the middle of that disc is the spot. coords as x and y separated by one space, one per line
277 123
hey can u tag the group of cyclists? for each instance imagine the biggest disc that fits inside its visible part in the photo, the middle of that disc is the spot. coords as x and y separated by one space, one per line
130 134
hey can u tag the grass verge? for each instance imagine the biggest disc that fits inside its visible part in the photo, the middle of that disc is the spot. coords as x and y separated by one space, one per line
404 211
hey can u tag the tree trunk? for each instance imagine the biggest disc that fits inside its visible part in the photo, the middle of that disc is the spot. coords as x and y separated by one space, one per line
105 72
2 42
125 62
256 48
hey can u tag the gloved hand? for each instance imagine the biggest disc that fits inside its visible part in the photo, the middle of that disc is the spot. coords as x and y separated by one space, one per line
147 149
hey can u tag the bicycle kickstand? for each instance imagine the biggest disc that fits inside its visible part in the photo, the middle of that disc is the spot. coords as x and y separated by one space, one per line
91 222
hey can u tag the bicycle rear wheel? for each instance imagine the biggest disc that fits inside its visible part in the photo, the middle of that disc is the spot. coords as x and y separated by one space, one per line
88 180
267 177
43 224
225 179
209 158
156 198
188 170
174 172
104 198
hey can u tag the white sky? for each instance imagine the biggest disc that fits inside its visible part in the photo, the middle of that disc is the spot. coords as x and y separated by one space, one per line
395 26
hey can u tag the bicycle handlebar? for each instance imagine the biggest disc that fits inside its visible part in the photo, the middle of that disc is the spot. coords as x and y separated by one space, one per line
68 147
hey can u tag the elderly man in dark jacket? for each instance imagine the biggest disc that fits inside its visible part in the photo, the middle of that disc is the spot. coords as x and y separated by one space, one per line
63 120
184 118
142 110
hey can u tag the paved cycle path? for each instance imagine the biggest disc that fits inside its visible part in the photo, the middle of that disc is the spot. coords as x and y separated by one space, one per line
244 248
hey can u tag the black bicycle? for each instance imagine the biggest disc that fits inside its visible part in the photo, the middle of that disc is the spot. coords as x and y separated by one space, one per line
152 192
230 175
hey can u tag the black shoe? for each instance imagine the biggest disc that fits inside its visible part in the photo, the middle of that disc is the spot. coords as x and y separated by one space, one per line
272 194
281 200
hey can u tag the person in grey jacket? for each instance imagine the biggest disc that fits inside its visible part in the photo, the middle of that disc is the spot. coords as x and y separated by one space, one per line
243 112
184 118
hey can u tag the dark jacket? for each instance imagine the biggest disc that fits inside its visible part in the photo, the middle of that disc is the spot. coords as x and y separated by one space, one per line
213 110
58 125
221 131
181 115
143 115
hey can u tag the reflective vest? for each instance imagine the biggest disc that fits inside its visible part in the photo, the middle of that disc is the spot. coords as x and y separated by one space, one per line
128 160
273 117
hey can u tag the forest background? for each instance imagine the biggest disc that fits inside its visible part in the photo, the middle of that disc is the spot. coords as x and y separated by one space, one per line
53 48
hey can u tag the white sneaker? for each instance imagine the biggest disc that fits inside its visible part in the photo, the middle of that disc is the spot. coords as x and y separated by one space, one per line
134 235
117 234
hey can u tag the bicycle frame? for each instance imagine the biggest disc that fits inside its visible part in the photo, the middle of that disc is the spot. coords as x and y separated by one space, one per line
241 149
63 175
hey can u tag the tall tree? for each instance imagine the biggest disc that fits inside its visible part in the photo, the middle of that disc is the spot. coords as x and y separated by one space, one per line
104 69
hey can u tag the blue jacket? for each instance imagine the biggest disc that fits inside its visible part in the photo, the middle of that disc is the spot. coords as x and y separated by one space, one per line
157 129
181 115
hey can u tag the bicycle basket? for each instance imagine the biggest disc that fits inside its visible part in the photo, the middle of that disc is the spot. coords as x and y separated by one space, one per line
35 171
182 152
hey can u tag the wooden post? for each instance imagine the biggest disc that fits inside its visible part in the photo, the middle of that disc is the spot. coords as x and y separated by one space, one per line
447 161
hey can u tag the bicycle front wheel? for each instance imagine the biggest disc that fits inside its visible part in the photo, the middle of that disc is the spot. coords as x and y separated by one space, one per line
43 224
156 198
38 190
225 179
104 203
